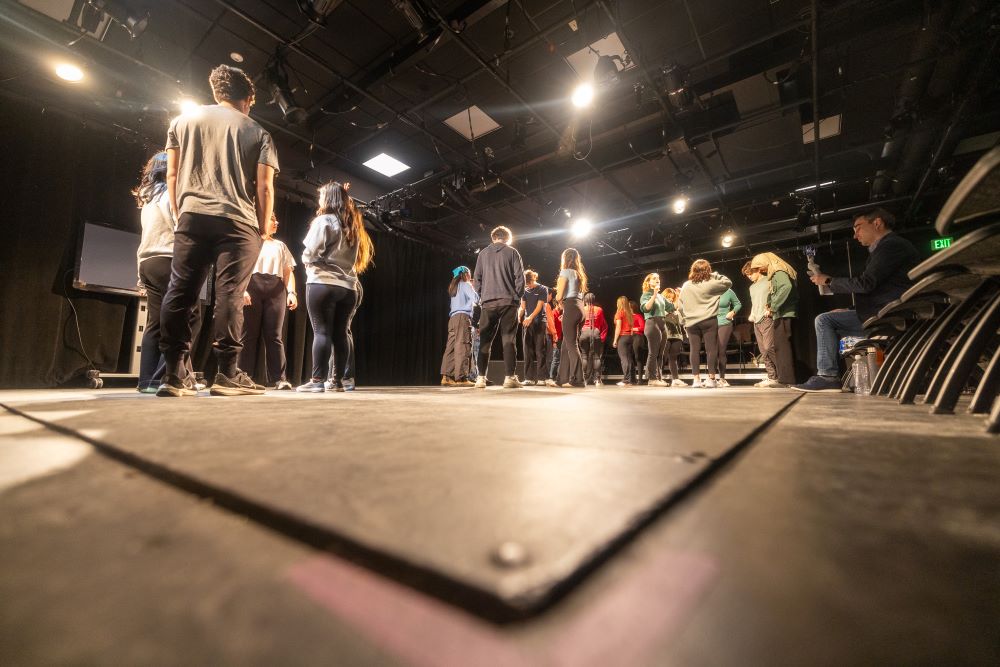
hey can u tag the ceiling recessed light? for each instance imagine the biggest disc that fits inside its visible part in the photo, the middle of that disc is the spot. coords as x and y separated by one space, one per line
68 72
236 57
385 164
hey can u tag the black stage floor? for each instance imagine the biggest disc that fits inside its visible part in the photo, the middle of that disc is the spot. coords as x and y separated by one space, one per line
429 526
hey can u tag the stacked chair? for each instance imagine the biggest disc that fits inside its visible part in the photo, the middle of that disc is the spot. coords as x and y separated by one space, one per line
941 337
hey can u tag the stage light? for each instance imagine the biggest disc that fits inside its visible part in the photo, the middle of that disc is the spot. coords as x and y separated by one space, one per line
679 204
281 93
119 12
236 57
606 71
581 227
805 215
318 10
676 83
69 72
188 105
583 95
728 239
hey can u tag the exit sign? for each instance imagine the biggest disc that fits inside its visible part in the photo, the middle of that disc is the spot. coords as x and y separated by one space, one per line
941 244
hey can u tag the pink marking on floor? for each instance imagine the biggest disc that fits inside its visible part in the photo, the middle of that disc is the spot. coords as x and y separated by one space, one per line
622 626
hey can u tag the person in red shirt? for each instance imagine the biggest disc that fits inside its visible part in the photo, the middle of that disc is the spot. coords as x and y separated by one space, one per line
623 340
592 336
639 346
556 320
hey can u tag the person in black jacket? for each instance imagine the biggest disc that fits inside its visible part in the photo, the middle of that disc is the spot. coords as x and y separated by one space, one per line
499 280
884 279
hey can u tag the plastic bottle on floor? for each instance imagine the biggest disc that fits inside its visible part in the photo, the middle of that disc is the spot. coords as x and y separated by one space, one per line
862 381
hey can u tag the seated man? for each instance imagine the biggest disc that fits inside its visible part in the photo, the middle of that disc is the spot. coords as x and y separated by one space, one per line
884 279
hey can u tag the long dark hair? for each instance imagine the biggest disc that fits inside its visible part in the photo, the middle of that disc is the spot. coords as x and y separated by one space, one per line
571 260
152 180
334 200
460 278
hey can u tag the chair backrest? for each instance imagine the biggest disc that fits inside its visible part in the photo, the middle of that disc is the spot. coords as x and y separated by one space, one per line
975 200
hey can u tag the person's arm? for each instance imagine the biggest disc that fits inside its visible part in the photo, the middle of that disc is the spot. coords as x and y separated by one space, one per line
265 195
550 321
477 275
520 310
292 299
887 259
719 283
534 313
602 325
518 274
316 241
618 331
173 159
781 288
646 302
560 288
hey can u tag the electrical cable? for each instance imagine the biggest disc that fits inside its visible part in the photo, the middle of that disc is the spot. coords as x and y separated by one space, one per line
76 320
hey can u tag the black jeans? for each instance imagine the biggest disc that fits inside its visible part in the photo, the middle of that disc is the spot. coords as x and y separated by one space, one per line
656 334
674 347
330 308
155 275
592 348
570 359
708 330
639 350
199 242
503 318
722 337
265 318
784 359
534 342
627 356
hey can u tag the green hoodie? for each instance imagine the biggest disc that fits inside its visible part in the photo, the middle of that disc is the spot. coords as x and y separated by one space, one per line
784 297
728 302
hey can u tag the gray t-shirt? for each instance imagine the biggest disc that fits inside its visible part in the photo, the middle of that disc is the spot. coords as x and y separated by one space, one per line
219 149
572 283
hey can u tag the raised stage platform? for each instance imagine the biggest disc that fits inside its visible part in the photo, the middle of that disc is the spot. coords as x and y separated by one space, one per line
433 526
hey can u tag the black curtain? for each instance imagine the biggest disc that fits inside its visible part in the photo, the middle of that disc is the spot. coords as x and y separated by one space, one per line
60 171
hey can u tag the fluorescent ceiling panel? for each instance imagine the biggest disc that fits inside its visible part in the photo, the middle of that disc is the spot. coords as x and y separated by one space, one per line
481 123
386 164
828 127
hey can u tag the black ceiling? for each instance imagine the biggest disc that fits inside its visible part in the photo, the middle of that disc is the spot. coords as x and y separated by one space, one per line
908 80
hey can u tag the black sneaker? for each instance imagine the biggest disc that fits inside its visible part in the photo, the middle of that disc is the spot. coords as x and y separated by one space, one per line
173 386
238 385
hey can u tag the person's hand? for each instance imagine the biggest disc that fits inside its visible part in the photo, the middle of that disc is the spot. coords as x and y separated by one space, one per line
819 279
527 321
614 344
767 311
246 298
731 315
292 301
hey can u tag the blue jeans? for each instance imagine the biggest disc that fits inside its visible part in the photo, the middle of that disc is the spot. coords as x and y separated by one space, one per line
830 328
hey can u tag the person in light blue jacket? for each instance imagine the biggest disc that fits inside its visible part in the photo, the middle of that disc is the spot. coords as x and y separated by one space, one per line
729 305
457 360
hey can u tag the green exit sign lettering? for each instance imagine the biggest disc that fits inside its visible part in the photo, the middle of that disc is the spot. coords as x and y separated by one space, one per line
941 244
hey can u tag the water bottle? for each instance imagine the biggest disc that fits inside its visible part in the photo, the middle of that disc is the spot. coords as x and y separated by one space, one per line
862 381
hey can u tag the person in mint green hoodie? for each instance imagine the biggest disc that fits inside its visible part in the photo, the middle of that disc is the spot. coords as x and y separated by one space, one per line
782 300
729 305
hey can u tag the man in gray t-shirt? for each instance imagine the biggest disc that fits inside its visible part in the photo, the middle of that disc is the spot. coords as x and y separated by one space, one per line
220 179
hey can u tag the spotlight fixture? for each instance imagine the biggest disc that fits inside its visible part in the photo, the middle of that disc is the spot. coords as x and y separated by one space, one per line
236 57
416 15
606 71
581 228
318 10
679 204
675 80
188 105
276 80
583 95
119 12
69 72
728 239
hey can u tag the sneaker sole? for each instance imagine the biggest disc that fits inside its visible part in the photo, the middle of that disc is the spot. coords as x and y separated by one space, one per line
175 392
819 391
234 391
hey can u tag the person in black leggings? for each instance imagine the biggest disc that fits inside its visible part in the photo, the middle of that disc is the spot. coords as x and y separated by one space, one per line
336 250
624 330
570 288
699 302
271 290
654 307
592 335
674 344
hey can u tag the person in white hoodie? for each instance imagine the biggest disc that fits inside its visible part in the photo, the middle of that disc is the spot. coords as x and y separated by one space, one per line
337 249
699 307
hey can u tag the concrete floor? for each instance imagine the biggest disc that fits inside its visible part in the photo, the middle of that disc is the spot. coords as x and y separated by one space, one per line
453 527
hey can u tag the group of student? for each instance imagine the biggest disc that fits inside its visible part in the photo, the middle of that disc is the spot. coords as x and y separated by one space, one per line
207 201
564 331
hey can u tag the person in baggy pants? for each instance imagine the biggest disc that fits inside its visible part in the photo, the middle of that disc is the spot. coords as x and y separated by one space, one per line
456 362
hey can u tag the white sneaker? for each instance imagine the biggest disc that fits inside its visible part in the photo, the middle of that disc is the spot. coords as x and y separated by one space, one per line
481 382
772 384
721 382
621 384
762 383
679 383
528 383
709 384
551 383
598 383
511 382
656 383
